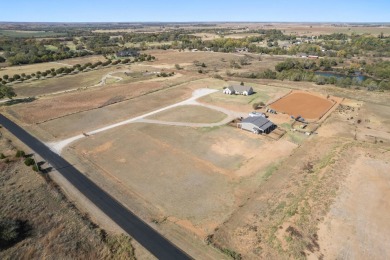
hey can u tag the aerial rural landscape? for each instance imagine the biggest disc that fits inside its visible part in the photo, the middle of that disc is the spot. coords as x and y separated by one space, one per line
195 140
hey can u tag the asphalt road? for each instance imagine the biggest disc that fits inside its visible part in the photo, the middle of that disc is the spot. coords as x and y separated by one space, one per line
149 238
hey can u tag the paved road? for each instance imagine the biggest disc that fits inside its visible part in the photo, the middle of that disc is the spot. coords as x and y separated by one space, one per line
134 226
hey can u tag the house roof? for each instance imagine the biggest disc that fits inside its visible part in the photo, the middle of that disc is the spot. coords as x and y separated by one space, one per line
240 88
261 122
230 88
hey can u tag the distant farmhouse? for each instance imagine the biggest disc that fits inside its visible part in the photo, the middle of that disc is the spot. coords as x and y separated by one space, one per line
256 124
127 53
238 90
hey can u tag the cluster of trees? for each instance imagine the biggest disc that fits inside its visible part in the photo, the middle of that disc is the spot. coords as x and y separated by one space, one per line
304 70
29 51
6 91
64 71
380 69
306 64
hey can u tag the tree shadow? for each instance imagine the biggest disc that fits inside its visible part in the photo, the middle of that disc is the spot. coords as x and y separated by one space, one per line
19 100
14 231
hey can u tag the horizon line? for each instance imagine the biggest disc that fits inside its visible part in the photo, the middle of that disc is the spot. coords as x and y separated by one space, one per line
205 22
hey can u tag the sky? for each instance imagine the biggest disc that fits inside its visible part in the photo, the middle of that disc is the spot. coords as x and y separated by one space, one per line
195 11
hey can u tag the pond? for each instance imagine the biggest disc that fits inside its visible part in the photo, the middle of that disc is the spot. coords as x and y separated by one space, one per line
357 76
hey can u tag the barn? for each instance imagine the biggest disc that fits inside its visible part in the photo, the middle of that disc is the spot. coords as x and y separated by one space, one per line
257 125
238 90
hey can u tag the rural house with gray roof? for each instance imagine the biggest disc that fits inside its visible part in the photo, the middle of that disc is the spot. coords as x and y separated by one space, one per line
238 90
257 125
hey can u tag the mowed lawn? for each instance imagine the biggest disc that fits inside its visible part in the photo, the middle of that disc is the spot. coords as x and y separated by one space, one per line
262 93
191 114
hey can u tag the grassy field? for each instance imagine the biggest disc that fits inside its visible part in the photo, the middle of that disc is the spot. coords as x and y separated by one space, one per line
214 168
49 225
193 114
62 126
56 84
28 69
263 93
33 68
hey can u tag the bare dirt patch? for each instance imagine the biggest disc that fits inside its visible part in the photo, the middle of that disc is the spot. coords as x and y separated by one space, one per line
307 105
357 225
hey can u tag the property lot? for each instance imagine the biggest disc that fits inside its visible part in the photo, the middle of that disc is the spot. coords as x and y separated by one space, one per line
262 93
195 175
307 105
45 109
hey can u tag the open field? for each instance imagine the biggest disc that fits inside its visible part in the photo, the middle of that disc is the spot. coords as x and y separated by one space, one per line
241 193
33 68
69 113
194 114
304 104
328 29
52 107
20 33
57 84
28 69
216 62
212 174
357 224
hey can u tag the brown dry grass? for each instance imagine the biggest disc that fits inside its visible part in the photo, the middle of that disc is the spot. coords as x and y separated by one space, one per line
197 175
68 82
53 227
33 68
48 108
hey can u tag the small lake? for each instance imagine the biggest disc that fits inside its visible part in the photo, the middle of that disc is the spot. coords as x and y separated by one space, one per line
359 77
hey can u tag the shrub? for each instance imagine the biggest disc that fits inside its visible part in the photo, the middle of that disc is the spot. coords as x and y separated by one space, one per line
10 232
2 156
35 168
20 153
29 161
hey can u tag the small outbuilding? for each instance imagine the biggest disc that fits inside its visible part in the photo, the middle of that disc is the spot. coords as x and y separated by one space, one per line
127 53
257 125
238 90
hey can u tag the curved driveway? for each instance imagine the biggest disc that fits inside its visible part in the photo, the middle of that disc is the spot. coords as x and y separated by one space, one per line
149 238
59 145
